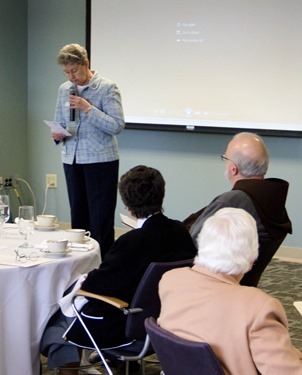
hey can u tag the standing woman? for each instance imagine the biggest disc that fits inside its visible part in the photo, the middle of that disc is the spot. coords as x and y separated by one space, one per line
89 106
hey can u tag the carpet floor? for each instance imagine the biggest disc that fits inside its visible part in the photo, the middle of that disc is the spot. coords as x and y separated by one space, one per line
281 279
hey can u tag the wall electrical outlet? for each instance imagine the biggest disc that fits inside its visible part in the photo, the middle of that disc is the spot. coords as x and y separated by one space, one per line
9 181
51 180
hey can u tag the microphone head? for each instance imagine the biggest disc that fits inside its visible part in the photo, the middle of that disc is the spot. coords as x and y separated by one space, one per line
72 90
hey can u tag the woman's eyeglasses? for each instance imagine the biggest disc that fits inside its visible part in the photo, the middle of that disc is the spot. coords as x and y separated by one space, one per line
72 72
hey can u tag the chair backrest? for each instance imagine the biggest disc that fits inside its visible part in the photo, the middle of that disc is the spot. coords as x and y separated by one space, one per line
146 297
267 249
178 356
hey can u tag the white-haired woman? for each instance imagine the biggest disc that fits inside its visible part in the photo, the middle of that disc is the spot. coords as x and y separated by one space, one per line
246 328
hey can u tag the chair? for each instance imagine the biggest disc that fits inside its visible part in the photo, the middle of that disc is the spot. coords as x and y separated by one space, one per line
178 356
267 249
145 303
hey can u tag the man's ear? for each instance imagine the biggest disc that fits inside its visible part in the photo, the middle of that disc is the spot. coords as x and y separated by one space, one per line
234 170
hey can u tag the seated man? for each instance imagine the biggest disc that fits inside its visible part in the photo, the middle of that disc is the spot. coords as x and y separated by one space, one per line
246 328
247 161
156 239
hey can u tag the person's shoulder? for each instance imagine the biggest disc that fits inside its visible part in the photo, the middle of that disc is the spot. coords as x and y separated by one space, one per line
173 221
129 235
102 86
232 198
101 80
163 220
275 180
231 194
182 273
65 86
256 296
126 243
136 235
225 198
156 218
261 305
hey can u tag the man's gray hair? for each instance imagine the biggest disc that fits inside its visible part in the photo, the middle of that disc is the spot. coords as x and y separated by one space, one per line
228 242
248 165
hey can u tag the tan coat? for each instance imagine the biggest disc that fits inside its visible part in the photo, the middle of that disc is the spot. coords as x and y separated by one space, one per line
246 328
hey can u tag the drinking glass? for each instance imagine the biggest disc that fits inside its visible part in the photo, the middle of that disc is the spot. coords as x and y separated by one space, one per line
26 223
4 212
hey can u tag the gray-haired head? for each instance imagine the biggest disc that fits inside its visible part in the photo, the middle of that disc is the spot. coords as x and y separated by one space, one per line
249 153
228 242
72 54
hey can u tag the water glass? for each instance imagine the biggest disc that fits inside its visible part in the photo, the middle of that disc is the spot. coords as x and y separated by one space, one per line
26 223
4 211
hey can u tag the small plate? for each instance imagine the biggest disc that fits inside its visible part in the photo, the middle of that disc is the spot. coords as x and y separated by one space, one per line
46 229
11 232
86 239
49 254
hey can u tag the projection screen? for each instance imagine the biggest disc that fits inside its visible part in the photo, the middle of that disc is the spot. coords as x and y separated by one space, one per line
202 65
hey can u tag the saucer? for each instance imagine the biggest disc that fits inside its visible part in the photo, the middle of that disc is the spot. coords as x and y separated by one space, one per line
11 231
52 254
86 239
46 229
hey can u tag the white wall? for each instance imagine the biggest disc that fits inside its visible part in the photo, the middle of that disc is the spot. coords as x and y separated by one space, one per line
13 92
194 173
189 162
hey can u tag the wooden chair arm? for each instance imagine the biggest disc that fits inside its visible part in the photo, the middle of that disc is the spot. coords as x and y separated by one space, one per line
111 300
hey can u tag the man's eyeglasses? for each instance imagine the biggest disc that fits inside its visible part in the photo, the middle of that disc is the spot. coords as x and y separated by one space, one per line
20 257
224 158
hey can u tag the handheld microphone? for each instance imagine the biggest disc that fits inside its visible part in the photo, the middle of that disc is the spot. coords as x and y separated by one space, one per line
72 91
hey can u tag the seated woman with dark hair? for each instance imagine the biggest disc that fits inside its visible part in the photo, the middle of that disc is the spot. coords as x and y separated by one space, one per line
156 239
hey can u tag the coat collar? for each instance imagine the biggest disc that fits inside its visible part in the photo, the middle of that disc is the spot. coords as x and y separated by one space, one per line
227 279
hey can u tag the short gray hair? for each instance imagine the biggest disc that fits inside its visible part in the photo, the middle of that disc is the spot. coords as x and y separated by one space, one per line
228 242
72 54
250 166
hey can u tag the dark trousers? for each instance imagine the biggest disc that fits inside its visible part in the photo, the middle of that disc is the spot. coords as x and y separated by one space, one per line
92 192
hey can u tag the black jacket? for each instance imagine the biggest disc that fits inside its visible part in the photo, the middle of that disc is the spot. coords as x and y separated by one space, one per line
160 239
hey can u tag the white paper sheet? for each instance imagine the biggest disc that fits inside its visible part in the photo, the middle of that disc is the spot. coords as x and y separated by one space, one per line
130 222
56 127
298 306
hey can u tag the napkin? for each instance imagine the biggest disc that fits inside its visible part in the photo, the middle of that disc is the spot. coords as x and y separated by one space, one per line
65 302
80 246
73 246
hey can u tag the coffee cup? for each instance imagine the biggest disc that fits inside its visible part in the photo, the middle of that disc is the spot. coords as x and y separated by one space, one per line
46 220
57 246
77 235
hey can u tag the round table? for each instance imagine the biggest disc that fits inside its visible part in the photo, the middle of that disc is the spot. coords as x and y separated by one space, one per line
29 294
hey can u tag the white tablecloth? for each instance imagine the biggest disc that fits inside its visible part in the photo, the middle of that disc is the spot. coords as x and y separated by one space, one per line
29 296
